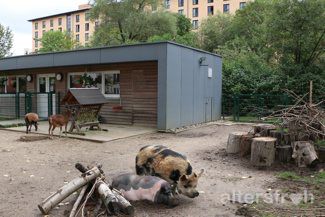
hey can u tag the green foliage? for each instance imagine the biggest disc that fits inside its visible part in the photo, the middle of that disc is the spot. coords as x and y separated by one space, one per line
184 25
269 46
53 41
5 41
130 21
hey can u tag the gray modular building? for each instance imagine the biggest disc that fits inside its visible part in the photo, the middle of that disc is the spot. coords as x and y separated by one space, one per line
161 84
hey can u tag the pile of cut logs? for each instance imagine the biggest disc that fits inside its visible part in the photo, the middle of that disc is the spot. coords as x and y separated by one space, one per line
267 144
91 183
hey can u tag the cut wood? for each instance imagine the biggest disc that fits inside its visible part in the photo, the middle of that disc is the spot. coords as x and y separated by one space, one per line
263 151
53 200
283 153
245 145
282 138
108 197
304 153
233 145
76 204
124 204
263 129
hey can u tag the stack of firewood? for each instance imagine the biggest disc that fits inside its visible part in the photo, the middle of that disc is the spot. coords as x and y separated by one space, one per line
91 183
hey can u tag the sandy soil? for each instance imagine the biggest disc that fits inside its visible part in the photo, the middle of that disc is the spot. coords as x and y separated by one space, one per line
29 172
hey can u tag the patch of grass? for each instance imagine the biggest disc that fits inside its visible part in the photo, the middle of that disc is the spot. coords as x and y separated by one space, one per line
320 143
287 175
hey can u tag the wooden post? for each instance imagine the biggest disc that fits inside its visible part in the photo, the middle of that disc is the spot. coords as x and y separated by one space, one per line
233 145
263 151
53 200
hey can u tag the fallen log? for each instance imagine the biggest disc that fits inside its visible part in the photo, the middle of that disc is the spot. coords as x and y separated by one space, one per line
233 144
76 204
263 151
304 153
54 199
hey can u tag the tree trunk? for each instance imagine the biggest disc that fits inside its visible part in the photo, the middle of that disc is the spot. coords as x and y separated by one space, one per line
245 145
304 153
233 145
53 200
283 153
263 129
263 151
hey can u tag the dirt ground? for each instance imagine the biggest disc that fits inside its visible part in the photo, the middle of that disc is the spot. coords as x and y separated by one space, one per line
30 171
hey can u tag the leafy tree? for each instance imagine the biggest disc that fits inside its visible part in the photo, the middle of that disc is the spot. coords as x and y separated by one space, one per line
129 21
184 25
5 41
213 31
56 41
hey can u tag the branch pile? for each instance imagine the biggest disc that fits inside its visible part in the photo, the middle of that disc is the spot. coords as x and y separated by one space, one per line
93 186
304 119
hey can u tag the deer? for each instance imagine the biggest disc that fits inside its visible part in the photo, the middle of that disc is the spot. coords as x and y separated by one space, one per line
30 120
59 120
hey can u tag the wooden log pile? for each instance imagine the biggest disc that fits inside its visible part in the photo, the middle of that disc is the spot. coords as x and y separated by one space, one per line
92 184
299 126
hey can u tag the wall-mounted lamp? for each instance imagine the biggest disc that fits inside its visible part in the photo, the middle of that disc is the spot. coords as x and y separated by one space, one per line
29 78
202 60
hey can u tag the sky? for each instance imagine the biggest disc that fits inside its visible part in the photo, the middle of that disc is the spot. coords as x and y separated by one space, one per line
15 13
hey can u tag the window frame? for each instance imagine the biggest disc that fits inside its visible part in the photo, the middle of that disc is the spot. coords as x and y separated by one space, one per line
103 73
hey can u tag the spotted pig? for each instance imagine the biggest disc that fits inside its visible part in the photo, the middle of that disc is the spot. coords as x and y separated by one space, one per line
158 160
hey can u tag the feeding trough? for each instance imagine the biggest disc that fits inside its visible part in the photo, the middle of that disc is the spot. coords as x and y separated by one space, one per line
85 104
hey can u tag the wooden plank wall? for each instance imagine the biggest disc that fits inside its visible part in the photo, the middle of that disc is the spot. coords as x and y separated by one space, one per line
138 92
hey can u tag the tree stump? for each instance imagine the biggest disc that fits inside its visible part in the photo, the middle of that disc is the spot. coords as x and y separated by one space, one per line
233 145
263 129
263 151
304 153
283 153
245 145
282 138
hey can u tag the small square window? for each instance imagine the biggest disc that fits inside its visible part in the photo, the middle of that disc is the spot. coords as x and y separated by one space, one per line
60 21
226 8
86 36
86 26
77 38
77 18
78 28
180 3
242 5
210 10
195 12
195 2
195 24
44 24
181 11
51 23
36 26
210 1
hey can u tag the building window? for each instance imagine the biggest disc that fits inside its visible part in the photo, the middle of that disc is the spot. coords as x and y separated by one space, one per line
36 34
167 4
87 27
69 23
195 2
87 16
36 26
195 24
226 8
86 36
210 10
51 23
210 1
195 12
51 30
43 24
180 3
242 5
13 84
108 82
36 43
77 18
60 21
78 28
60 29
77 38
181 11
43 32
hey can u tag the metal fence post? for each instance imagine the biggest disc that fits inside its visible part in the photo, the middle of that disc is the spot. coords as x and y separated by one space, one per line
236 107
28 102
50 104
17 106
58 111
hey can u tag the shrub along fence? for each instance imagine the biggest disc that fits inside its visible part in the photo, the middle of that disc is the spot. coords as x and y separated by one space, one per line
252 107
16 105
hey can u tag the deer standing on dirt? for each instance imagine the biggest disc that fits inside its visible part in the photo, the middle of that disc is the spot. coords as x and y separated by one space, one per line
59 121
30 120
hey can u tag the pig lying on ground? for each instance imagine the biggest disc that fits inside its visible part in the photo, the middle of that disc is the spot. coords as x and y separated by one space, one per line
135 188
169 165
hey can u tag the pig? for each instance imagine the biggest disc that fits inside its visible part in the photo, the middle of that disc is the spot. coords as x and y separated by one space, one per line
158 160
30 120
151 188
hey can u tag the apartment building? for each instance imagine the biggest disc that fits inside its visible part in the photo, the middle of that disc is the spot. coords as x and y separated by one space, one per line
76 22
197 10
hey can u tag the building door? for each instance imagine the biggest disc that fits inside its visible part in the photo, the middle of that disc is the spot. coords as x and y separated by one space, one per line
46 85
